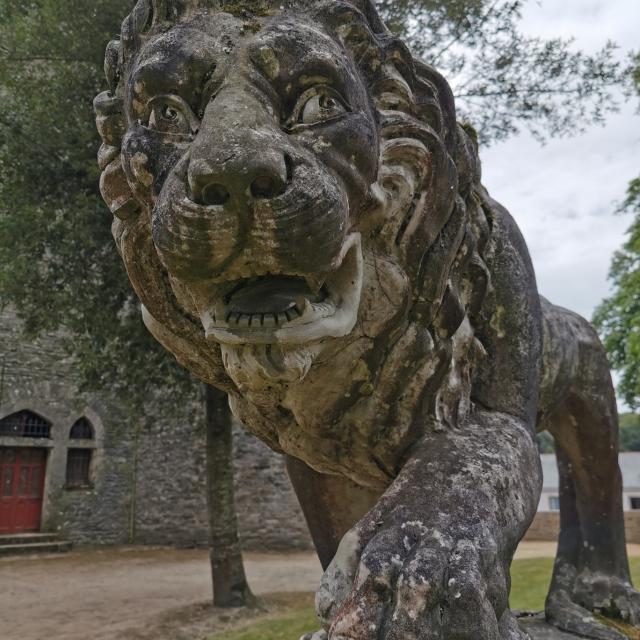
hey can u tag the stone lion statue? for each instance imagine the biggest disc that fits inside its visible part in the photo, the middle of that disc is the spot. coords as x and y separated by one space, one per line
304 223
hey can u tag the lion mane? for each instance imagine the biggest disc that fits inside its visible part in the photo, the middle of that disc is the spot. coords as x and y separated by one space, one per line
428 213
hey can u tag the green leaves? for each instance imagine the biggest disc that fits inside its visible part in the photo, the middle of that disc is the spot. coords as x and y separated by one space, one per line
504 81
618 317
629 432
58 264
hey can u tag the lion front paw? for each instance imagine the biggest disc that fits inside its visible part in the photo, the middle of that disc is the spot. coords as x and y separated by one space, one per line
318 635
411 581
611 597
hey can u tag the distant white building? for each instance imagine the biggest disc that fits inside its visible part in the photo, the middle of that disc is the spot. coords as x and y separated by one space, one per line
629 465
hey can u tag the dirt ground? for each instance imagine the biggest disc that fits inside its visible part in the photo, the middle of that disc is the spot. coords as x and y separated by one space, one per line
145 593
131 593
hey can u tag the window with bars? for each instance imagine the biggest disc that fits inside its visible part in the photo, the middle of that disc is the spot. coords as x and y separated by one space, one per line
25 424
635 503
79 468
81 430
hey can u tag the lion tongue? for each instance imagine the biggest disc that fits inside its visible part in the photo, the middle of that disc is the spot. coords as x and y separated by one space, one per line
273 294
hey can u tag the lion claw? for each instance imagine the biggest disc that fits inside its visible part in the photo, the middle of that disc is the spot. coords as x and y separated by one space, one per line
570 617
315 635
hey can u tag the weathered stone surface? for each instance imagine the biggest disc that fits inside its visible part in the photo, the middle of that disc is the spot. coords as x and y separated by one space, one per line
539 630
312 236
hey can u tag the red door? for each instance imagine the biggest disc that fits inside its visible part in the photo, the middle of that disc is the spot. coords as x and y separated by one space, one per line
21 488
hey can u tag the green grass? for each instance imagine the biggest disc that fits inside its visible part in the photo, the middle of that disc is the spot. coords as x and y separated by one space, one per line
287 627
530 581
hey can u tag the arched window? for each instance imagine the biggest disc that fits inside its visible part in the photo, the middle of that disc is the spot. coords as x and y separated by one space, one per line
81 430
25 424
79 468
79 457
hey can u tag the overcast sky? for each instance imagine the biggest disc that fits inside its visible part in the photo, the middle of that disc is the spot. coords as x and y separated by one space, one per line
563 195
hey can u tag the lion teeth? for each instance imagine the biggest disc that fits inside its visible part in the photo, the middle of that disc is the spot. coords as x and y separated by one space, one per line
324 308
302 304
305 318
314 283
219 310
303 311
269 320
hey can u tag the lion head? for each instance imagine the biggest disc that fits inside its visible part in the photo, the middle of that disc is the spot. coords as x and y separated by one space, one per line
301 217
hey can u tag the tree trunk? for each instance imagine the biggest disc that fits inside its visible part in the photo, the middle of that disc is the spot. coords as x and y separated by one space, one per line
230 587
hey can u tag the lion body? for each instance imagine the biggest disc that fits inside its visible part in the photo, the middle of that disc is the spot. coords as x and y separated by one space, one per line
304 223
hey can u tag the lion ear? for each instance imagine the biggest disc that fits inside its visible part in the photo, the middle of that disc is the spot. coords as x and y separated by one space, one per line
405 83
145 16
369 10
432 94
114 187
112 64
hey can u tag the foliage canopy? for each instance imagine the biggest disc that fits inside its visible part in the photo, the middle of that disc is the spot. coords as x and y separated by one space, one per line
58 266
618 317
504 80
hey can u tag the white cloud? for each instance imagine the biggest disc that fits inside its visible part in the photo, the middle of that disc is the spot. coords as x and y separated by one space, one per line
564 195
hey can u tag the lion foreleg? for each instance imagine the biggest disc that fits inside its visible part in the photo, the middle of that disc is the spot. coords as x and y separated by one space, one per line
431 560
331 505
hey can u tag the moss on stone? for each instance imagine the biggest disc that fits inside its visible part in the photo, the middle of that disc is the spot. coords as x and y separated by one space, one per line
252 25
630 632
470 130
246 8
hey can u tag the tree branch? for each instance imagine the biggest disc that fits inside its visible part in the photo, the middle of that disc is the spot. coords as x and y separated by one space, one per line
490 94
458 37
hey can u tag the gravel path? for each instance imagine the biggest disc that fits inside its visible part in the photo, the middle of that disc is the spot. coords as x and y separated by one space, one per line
108 594
138 593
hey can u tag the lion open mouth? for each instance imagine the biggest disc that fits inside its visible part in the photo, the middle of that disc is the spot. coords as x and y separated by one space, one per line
289 309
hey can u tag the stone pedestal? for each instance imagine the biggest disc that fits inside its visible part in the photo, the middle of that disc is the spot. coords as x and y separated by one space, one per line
538 629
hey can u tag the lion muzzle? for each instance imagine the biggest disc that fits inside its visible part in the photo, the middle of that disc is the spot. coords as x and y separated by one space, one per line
285 309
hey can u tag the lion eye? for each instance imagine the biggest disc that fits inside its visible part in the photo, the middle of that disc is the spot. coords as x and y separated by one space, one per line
171 114
319 104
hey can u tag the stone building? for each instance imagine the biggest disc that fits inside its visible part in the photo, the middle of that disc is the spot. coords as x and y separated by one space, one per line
629 467
77 464
546 524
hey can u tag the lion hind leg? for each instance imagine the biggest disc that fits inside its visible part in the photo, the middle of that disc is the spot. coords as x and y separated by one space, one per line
591 572
561 607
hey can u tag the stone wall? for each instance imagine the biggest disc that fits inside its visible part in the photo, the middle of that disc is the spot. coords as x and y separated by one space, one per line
546 526
148 483
268 510
101 514
170 503
171 500
632 526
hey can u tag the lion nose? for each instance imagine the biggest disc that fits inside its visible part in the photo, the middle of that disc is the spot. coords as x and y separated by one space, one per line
256 178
